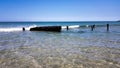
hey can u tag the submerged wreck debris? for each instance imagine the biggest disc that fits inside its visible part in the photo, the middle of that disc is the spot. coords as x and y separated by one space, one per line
47 28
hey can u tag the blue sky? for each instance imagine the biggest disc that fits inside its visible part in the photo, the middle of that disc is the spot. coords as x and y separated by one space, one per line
59 10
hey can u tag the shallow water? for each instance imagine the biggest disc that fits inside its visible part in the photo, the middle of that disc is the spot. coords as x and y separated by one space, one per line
68 49
75 48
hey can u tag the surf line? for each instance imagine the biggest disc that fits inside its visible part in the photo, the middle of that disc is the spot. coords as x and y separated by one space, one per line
59 28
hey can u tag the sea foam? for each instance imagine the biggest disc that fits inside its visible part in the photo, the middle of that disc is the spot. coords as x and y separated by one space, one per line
72 26
13 29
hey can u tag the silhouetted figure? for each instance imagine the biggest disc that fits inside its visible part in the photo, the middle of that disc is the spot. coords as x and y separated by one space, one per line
92 27
23 29
107 27
67 28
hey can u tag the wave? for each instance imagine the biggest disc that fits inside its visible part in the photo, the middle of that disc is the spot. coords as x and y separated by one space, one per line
13 29
28 28
20 28
72 26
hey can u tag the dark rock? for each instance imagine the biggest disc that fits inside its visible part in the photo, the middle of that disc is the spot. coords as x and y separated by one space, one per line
23 29
47 28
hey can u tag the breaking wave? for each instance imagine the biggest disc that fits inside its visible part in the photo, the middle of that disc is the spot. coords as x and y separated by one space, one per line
12 29
72 26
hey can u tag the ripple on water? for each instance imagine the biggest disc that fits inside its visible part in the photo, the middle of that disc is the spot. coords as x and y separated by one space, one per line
57 50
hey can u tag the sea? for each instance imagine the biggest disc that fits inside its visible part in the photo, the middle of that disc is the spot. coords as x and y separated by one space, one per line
77 47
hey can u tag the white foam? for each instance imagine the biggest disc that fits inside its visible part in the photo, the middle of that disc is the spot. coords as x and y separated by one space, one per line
15 29
87 25
74 26
64 27
10 29
28 28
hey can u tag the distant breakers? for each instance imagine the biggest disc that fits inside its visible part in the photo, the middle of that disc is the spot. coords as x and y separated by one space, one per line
59 28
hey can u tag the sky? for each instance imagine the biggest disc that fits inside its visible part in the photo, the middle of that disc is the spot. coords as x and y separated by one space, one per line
59 10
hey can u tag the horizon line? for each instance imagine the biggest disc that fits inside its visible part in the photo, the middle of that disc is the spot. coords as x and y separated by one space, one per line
59 21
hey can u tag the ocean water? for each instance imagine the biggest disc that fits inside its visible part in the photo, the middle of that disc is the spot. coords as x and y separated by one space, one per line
78 47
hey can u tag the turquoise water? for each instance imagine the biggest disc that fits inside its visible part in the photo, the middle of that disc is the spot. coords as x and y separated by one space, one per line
14 24
78 47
